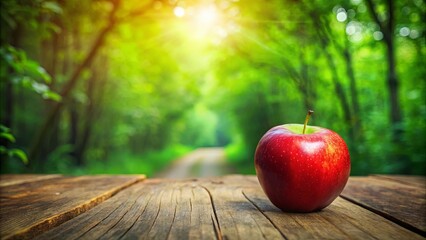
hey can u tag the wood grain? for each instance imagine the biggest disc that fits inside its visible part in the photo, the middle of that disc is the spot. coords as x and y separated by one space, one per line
341 220
392 198
415 181
13 179
30 208
156 208
238 218
230 207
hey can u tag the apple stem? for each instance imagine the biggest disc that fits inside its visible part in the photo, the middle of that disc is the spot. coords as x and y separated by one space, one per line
306 120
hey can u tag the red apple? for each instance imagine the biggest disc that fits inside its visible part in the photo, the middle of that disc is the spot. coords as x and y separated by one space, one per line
302 172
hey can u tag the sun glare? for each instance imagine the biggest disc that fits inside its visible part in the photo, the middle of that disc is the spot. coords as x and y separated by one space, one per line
179 11
205 22
207 16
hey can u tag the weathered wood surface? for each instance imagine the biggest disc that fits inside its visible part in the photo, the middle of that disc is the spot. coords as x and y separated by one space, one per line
417 181
28 208
229 207
396 198
6 180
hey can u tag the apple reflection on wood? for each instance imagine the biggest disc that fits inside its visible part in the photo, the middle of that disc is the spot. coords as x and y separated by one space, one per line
302 168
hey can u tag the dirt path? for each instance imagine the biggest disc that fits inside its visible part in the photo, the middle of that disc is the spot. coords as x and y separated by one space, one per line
202 162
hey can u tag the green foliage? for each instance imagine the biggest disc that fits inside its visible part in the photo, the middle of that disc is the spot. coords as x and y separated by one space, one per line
239 156
200 127
160 81
124 162
34 15
16 70
287 55
25 73
8 152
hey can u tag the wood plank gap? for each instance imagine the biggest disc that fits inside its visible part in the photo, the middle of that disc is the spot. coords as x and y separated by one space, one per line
56 220
387 216
269 219
217 225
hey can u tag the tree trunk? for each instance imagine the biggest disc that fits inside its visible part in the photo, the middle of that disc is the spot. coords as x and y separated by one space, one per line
95 91
56 45
86 130
74 127
356 111
304 84
44 130
7 97
338 88
393 87
396 120
8 104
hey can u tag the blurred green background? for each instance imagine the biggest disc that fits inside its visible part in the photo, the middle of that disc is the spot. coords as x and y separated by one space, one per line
110 86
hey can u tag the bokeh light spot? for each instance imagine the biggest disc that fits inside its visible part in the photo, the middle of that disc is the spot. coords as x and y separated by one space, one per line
404 31
377 35
341 16
179 11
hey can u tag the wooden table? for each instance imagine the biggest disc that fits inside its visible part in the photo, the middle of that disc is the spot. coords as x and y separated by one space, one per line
229 207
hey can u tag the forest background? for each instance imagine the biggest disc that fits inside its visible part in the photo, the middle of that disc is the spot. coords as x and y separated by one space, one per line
110 86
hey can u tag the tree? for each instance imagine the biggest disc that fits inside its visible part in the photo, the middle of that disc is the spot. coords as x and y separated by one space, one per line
387 27
112 21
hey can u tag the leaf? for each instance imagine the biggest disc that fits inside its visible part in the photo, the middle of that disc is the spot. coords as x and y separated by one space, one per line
53 27
44 75
26 82
3 128
8 136
32 69
52 7
7 56
19 154
3 150
39 87
52 96
9 21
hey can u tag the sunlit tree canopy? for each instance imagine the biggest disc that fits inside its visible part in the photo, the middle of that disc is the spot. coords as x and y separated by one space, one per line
127 86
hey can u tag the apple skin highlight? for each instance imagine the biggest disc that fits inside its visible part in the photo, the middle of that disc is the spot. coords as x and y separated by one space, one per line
302 172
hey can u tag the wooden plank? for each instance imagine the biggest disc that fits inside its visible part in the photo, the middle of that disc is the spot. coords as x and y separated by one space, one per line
231 207
341 220
415 181
153 208
105 218
399 202
31 208
13 179
238 218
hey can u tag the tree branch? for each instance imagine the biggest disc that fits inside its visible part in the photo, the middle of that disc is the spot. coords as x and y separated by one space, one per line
386 29
373 13
138 12
71 83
